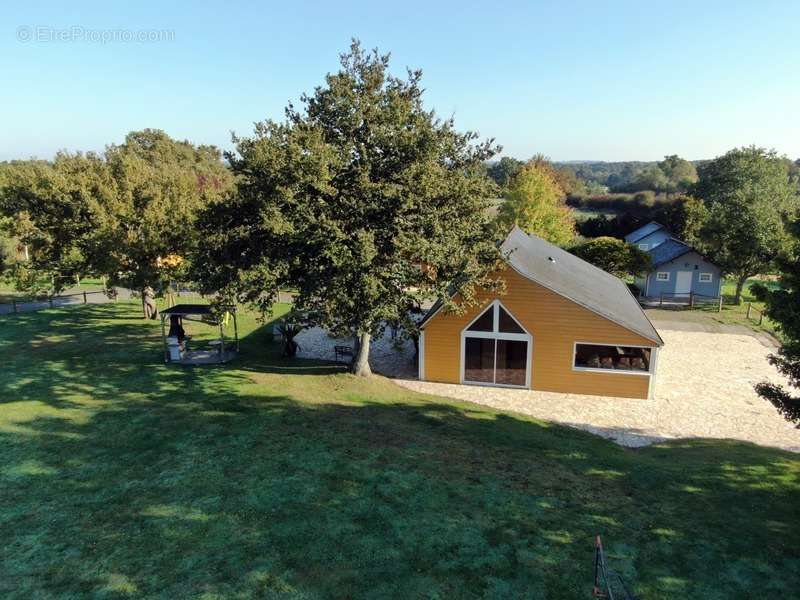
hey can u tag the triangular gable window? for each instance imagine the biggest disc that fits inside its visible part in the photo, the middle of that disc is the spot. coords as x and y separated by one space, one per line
507 324
485 322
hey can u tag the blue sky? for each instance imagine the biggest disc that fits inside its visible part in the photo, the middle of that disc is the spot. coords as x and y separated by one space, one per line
573 80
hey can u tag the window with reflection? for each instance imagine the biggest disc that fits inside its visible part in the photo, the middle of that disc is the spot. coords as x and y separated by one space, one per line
496 349
612 358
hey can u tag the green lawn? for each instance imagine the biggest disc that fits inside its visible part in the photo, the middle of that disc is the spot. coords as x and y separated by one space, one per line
736 314
124 477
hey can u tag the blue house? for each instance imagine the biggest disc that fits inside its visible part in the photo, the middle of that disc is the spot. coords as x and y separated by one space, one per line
679 271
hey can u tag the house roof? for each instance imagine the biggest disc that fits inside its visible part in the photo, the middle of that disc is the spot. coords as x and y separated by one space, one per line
575 279
668 250
642 232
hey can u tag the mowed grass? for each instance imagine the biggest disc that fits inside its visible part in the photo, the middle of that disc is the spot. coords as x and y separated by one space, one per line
736 314
124 477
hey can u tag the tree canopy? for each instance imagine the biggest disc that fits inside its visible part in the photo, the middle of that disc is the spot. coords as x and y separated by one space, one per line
114 214
504 170
749 198
613 256
783 307
535 202
362 200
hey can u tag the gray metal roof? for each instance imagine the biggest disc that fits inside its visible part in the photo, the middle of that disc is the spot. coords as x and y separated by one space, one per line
575 279
668 250
644 231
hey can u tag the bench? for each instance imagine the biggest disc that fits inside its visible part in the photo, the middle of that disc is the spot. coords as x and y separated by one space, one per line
342 352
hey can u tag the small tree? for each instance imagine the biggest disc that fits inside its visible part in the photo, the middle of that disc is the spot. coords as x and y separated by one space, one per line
749 197
363 201
535 202
613 256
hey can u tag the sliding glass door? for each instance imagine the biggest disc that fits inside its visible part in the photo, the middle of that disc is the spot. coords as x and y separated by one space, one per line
496 349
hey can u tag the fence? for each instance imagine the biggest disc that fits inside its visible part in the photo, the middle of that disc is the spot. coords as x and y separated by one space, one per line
752 309
31 303
690 300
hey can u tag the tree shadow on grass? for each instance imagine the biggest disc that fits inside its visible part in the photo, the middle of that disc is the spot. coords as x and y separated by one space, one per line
240 481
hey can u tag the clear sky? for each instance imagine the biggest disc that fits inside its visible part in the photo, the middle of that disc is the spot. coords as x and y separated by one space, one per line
573 80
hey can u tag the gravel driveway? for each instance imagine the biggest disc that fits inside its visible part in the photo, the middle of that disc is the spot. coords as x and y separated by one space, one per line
704 388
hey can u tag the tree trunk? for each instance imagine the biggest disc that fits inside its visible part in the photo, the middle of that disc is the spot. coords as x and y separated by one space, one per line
144 305
360 364
739 286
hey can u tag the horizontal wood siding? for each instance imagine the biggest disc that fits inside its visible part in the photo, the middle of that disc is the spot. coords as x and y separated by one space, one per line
555 324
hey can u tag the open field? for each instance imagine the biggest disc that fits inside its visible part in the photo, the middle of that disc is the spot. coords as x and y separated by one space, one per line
124 477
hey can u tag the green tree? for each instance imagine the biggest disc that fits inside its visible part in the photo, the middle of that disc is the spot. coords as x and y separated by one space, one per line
749 197
363 201
614 256
50 208
782 305
651 178
535 202
680 173
684 216
115 214
504 170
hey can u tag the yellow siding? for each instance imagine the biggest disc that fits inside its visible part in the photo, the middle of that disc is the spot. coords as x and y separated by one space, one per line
555 324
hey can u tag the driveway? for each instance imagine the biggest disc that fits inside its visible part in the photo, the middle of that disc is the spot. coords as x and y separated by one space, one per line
704 389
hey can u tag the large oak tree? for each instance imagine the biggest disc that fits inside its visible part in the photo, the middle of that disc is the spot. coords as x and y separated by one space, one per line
362 200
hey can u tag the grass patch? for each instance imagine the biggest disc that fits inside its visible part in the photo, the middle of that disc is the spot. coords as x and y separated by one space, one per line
737 314
124 477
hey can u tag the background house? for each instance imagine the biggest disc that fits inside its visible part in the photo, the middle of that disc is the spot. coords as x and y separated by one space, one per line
679 271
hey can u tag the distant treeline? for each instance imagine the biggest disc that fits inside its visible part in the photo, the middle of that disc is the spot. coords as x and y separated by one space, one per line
673 175
639 202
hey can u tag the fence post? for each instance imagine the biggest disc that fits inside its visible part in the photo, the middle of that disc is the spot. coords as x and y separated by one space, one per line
691 299
84 297
661 303
14 305
761 318
749 307
720 303
50 301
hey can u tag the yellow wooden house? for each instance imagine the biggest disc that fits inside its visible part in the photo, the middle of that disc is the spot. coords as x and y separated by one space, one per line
563 325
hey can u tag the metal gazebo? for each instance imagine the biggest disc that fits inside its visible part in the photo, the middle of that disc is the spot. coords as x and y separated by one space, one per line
176 341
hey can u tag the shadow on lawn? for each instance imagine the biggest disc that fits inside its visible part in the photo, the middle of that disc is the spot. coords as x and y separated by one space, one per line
142 479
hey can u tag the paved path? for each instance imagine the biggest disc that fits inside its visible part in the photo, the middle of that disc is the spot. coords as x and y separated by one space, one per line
70 297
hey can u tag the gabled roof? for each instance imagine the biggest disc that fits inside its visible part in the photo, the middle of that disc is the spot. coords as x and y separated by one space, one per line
575 279
668 250
642 232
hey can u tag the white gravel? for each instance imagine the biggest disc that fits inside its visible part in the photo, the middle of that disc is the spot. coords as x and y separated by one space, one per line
393 358
704 389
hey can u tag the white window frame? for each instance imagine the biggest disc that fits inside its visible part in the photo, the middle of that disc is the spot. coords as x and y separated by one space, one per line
495 334
644 246
660 273
650 367
710 278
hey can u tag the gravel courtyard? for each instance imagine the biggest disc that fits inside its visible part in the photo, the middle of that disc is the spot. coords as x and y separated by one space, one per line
706 374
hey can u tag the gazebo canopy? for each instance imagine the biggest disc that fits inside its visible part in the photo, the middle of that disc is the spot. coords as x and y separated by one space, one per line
193 309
